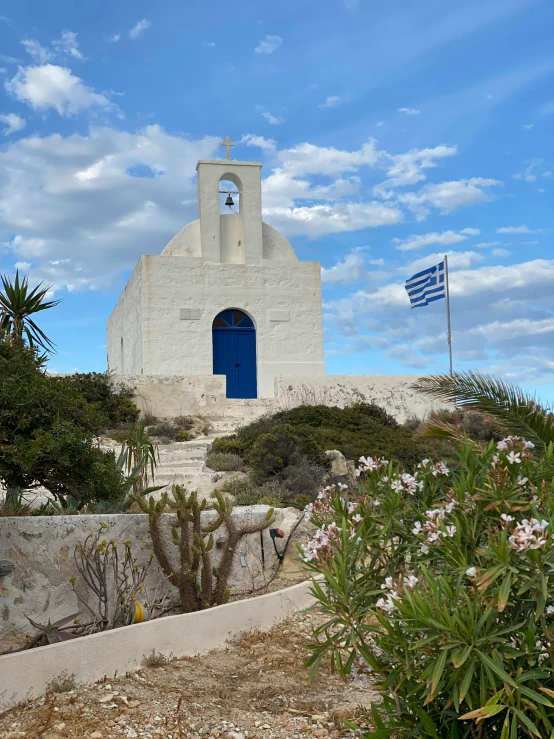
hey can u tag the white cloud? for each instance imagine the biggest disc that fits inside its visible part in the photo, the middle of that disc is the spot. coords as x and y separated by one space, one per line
138 28
380 124
487 244
268 45
271 119
351 4
408 111
13 122
208 44
517 230
50 86
449 196
267 145
442 239
318 220
530 243
333 100
528 126
113 38
39 53
529 174
500 253
406 169
456 260
326 160
67 44
58 192
347 272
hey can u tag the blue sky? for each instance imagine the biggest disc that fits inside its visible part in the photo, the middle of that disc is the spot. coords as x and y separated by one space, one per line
391 134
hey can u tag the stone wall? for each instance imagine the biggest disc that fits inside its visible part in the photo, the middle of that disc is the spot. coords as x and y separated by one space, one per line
42 547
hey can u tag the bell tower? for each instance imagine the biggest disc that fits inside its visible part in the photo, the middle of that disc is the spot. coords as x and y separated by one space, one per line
234 237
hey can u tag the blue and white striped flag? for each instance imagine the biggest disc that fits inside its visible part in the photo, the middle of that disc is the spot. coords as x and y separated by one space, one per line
427 286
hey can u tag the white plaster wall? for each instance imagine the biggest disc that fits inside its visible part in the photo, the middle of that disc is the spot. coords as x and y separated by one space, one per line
232 239
246 176
126 322
41 548
26 675
172 396
175 346
393 393
186 243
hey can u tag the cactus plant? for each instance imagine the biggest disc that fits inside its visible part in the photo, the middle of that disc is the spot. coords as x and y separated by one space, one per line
200 583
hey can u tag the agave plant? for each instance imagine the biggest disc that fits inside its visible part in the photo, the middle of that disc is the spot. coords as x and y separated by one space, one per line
17 304
521 414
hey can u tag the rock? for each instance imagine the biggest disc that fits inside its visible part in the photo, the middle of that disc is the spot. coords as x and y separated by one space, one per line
235 735
215 732
131 733
339 467
59 727
96 735
106 698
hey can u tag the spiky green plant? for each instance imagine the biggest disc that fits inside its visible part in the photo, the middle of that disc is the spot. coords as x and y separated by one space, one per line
520 413
141 457
17 304
200 583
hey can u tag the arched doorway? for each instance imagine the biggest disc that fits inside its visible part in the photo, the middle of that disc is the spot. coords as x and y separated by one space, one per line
234 352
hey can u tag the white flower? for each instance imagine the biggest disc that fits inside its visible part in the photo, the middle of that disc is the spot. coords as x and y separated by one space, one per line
503 445
506 518
549 610
388 584
528 445
342 486
514 458
411 581
529 534
357 518
522 480
451 530
471 572
424 549
417 528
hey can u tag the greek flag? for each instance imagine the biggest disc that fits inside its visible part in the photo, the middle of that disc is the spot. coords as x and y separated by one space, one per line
427 286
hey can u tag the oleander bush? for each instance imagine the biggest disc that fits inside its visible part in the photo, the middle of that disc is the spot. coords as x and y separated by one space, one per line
439 587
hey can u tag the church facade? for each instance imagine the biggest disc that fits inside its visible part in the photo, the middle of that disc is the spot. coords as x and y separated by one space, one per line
226 297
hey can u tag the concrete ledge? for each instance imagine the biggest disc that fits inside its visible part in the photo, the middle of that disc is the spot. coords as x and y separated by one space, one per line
25 675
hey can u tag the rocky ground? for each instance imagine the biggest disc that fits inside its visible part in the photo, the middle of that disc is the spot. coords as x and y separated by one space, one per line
256 688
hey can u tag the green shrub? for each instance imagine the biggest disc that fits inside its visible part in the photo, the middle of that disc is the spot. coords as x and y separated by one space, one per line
47 433
116 403
224 462
182 435
440 585
227 445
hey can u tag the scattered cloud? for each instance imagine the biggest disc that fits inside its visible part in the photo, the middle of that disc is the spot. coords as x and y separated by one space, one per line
138 28
456 260
487 244
351 4
208 44
528 126
267 145
67 44
449 196
333 100
408 111
352 269
530 243
50 86
39 53
113 38
407 169
379 124
8 59
500 253
534 167
268 45
443 239
272 119
517 230
13 122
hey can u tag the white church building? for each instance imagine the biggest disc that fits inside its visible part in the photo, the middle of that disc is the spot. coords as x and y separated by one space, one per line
227 311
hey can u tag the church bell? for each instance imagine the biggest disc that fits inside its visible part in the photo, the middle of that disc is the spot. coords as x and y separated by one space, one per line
229 201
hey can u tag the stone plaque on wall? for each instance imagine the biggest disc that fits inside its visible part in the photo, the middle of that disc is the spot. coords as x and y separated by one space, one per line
190 314
279 315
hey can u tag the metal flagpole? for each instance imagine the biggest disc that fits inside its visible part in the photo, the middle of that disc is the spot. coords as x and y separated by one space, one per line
449 332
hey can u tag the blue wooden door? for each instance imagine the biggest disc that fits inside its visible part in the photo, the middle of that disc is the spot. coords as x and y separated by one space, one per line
234 352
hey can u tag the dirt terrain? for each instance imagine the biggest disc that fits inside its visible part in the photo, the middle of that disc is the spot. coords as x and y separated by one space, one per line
255 688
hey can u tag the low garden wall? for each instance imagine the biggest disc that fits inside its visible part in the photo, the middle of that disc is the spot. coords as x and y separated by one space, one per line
41 548
26 675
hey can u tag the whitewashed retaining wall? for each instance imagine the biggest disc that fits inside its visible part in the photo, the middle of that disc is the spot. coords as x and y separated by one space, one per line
41 548
26 675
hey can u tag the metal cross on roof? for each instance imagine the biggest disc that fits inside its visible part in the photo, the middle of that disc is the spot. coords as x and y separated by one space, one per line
227 144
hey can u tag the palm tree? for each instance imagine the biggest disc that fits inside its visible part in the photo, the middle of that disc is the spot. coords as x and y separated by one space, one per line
521 414
17 305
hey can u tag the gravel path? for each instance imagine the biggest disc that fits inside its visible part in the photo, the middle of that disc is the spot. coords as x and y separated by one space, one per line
254 689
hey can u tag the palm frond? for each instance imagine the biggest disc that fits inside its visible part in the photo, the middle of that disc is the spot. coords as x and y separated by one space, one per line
519 412
17 304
